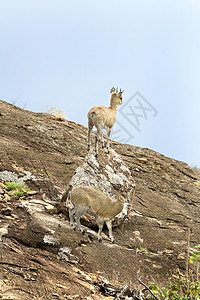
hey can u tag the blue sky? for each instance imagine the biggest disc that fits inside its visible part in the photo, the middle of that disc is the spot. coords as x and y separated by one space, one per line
68 54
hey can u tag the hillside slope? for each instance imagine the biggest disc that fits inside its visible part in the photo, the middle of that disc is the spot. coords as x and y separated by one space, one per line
45 152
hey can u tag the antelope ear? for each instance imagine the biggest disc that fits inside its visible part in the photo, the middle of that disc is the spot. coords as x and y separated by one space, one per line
112 90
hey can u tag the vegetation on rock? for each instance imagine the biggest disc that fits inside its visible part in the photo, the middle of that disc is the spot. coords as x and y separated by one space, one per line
20 189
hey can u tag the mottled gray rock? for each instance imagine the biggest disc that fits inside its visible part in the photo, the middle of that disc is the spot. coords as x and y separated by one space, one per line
19 178
107 173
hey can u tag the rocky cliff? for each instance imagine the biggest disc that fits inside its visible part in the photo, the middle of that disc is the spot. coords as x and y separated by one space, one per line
42 257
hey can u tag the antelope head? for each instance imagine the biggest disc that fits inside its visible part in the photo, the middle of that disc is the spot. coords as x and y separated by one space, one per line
118 95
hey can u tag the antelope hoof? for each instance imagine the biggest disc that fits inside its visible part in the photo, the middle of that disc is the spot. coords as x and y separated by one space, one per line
112 239
74 227
90 237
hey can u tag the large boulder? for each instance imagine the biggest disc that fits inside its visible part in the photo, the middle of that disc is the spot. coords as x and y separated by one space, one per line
106 173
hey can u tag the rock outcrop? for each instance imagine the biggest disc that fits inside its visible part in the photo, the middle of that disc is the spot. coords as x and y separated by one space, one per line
106 173
41 255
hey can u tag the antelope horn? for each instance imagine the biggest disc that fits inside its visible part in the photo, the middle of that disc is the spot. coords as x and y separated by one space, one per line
121 91
117 90
112 90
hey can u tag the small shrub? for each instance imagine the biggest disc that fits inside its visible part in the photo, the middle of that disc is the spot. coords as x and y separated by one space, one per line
180 286
19 193
10 186
195 254
20 188
176 289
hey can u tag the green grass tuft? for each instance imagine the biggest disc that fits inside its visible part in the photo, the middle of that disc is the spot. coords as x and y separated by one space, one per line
20 188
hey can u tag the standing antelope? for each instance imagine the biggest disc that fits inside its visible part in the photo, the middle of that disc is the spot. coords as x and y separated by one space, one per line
104 118
85 198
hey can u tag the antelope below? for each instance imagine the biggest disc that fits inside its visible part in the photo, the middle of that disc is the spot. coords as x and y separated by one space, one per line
85 198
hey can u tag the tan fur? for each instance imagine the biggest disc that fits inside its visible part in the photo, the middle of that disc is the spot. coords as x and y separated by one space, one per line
86 198
100 204
104 118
